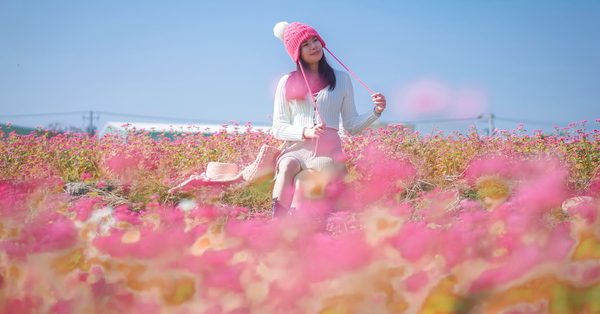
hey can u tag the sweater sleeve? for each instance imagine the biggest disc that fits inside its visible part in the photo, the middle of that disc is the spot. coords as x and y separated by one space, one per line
352 121
282 116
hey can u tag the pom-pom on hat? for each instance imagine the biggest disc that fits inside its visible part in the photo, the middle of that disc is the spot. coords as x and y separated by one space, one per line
293 35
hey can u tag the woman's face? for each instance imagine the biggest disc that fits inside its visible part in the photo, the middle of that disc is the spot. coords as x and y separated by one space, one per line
311 50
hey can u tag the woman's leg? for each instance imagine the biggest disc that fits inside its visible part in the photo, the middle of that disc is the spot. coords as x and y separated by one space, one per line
283 189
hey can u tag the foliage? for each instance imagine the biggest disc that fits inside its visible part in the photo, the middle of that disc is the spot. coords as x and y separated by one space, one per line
434 223
145 162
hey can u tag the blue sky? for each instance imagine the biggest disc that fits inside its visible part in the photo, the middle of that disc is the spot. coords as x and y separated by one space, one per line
535 62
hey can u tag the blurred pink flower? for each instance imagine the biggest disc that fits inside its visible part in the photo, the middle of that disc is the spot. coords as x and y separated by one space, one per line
425 97
416 281
324 256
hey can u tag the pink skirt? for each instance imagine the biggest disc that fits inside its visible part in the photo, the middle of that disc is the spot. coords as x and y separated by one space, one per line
324 154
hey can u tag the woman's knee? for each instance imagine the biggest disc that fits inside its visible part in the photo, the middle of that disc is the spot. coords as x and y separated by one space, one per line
289 166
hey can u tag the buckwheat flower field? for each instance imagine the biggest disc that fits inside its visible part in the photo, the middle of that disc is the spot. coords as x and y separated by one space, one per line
425 223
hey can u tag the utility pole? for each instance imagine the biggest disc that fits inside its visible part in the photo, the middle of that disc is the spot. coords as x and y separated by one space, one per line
91 125
490 118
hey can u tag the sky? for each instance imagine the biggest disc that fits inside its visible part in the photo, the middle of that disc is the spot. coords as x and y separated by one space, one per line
441 64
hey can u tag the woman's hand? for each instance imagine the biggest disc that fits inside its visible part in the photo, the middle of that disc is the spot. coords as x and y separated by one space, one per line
379 101
314 132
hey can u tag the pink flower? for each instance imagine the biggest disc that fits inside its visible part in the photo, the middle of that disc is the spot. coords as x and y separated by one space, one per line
326 257
49 232
416 282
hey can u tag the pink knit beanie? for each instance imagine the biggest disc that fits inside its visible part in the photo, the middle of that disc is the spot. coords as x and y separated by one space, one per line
293 35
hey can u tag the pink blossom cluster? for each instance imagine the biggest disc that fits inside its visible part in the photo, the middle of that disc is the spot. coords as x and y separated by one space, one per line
168 156
435 224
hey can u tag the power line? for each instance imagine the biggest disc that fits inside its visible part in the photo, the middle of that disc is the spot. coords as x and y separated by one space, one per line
91 114
529 121
156 117
443 120
485 117
481 117
43 114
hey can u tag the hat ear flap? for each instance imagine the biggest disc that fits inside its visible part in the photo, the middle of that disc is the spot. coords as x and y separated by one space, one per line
279 29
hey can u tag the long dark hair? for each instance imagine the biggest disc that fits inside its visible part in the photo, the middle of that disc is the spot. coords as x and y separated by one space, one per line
296 86
325 71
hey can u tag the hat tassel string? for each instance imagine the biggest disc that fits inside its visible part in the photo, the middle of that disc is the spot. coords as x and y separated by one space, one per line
310 92
314 103
345 67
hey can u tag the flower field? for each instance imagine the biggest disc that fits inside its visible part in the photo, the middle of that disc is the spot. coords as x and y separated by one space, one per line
425 223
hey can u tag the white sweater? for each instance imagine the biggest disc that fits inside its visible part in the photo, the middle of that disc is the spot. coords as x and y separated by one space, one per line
291 117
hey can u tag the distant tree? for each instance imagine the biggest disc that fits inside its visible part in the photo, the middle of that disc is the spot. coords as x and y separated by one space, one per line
59 127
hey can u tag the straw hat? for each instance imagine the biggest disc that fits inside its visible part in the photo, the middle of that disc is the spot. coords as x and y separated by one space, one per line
222 172
264 165
261 168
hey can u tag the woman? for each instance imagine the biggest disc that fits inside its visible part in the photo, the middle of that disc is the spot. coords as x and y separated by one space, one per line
308 105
